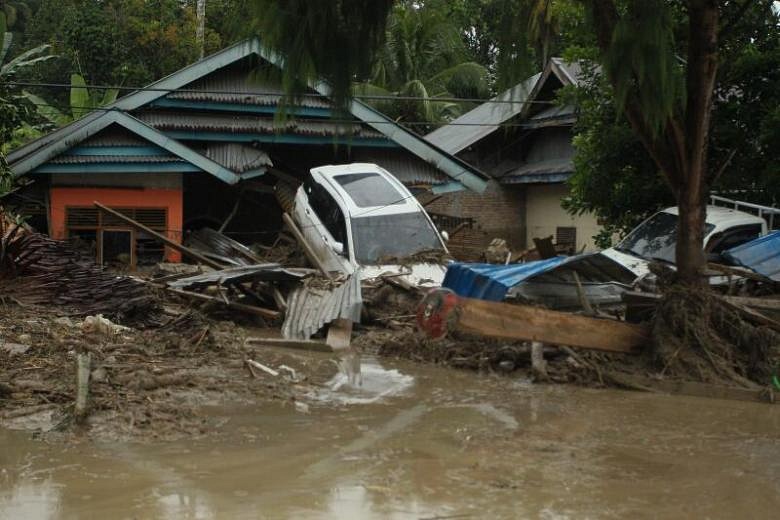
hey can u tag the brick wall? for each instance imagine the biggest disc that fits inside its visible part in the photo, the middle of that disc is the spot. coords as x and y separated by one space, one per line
498 212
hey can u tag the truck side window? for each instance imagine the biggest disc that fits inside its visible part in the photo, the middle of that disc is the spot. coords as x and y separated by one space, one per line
733 237
327 210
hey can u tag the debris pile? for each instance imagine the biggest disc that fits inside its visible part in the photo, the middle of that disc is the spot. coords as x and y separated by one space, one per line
35 269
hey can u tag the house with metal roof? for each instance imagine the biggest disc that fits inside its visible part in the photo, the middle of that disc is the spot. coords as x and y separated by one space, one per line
208 144
523 139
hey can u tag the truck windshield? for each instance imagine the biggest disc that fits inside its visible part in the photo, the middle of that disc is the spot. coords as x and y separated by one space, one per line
388 237
656 238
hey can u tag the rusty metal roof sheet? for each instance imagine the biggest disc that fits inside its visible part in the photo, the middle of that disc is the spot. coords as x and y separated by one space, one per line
252 124
317 302
90 159
238 85
237 157
405 167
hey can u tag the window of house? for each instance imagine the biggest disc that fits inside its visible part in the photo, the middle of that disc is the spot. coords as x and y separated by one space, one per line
566 237
111 241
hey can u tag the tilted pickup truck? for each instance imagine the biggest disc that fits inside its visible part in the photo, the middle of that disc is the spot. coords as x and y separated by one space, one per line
605 275
359 218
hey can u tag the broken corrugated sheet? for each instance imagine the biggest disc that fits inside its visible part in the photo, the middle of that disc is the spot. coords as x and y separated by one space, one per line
247 273
318 301
761 255
217 246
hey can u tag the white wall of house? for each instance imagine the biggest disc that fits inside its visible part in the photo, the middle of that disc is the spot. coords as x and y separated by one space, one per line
544 215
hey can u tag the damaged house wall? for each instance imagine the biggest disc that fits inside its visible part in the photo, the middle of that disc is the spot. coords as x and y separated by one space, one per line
524 141
206 146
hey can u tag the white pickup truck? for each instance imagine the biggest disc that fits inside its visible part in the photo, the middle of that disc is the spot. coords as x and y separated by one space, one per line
358 217
605 275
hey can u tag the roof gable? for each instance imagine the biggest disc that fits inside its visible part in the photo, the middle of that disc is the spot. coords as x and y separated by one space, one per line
56 147
26 158
475 125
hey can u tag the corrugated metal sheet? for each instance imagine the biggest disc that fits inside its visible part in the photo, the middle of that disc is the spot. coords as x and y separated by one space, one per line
483 120
251 124
491 281
239 85
244 273
89 159
317 302
114 136
556 170
237 157
404 166
761 255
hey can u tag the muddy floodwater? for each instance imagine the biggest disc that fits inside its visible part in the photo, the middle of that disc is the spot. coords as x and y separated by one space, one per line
421 442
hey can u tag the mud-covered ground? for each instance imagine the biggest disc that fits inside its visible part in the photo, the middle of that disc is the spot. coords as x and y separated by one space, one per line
145 383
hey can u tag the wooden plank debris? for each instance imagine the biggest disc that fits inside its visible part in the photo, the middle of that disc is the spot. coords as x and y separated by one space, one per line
339 334
300 344
251 309
307 249
264 368
503 320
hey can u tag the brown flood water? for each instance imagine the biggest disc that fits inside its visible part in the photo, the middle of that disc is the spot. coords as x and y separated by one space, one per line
422 443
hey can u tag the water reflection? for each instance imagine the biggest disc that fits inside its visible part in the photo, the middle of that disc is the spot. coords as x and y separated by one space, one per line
440 444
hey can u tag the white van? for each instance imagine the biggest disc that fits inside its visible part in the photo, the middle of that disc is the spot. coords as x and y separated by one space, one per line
359 217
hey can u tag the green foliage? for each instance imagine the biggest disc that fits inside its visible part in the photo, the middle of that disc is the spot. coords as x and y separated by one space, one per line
643 64
423 56
614 177
335 40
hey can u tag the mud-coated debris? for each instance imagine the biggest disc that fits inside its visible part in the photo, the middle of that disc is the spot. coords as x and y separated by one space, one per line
102 326
99 375
14 349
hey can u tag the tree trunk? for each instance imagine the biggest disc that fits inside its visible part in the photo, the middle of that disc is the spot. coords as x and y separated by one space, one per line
689 255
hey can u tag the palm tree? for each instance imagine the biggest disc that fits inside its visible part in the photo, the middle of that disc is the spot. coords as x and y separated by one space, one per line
423 58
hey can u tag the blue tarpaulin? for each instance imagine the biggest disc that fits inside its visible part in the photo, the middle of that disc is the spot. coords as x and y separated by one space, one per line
491 281
761 255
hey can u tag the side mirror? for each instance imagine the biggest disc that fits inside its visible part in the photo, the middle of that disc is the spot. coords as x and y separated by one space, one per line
445 236
337 248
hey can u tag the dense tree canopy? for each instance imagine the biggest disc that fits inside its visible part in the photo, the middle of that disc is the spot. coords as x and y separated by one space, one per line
433 49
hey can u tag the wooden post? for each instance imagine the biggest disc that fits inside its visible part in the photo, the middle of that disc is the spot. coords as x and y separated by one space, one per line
310 254
162 238
83 362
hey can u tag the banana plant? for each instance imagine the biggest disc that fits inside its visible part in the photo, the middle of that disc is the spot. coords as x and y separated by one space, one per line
82 102
26 59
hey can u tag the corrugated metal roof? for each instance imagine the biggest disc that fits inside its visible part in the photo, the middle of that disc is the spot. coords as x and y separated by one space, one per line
114 136
405 167
483 120
556 112
572 71
552 169
239 85
91 159
761 255
491 281
251 124
317 302
237 157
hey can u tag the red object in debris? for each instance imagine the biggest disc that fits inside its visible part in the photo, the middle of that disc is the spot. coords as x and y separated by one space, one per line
438 313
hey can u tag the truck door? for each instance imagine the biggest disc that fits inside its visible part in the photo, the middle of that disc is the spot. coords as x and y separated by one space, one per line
324 226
